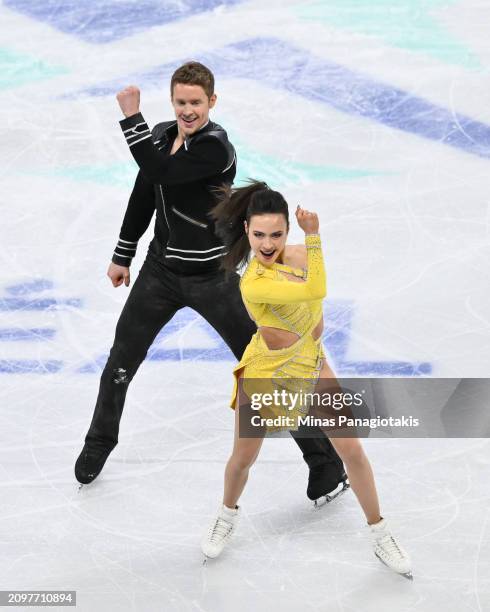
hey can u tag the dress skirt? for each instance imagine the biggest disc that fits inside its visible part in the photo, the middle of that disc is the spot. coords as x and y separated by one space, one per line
294 369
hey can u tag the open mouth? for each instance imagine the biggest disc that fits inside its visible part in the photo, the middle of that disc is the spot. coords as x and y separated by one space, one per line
189 122
267 255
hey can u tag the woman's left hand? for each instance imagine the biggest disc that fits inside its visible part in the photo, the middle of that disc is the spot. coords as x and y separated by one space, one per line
308 221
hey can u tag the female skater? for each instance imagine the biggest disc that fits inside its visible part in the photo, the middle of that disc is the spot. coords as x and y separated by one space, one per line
285 300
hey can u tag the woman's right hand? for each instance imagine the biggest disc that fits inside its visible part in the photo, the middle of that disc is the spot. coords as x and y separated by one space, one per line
308 221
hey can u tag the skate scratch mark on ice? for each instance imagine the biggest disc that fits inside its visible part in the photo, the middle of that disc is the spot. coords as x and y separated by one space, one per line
251 523
453 502
477 560
107 565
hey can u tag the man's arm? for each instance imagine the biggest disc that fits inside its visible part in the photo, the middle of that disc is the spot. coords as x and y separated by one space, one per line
206 157
138 215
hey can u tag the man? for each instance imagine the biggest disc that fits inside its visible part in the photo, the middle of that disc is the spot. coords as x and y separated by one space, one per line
182 163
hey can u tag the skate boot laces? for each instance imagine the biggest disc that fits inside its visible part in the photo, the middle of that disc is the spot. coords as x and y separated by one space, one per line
389 546
220 530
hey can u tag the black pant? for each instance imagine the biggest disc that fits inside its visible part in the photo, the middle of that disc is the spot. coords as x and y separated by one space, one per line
155 297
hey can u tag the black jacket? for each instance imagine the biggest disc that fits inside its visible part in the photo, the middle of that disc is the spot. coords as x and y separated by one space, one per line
182 189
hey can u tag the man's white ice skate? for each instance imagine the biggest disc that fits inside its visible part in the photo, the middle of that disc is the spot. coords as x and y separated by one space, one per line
219 532
388 550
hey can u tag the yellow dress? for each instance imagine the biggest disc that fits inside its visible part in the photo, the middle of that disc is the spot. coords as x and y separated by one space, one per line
274 301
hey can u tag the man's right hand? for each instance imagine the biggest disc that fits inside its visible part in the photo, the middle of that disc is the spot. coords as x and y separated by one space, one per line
118 275
129 100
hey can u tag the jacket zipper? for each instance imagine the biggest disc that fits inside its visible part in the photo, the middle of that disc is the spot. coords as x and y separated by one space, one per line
190 219
166 220
164 211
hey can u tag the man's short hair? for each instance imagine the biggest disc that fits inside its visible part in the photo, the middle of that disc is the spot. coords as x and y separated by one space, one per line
193 73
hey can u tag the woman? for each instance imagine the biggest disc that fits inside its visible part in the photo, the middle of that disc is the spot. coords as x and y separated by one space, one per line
282 288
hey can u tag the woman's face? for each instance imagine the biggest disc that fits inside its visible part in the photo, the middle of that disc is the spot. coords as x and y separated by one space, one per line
267 235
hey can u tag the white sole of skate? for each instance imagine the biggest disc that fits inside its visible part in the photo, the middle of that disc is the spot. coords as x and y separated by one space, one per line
326 499
407 575
206 559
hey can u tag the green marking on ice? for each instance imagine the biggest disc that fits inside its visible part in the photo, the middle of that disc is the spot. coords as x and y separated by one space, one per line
277 171
121 174
251 164
408 24
17 69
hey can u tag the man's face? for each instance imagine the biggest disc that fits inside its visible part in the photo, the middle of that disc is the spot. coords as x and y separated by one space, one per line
191 106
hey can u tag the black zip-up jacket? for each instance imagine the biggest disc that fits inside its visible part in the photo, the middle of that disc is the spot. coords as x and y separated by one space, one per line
181 187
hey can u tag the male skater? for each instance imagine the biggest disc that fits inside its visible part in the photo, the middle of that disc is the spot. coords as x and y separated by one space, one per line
181 163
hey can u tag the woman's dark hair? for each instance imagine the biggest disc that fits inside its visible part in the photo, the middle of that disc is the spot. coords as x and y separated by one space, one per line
236 205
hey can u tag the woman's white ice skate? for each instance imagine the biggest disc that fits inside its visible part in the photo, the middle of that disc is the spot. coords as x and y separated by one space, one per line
388 551
219 532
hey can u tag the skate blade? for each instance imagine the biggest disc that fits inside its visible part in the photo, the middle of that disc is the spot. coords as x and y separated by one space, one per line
326 499
407 575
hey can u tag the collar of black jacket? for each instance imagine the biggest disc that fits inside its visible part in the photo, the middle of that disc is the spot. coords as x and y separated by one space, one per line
172 130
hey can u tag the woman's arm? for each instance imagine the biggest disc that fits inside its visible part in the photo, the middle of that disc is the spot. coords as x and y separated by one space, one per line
264 288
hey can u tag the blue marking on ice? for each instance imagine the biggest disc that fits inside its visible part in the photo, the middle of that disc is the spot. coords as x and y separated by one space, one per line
97 21
337 326
336 336
19 333
383 368
27 303
23 301
96 365
33 286
8 304
26 366
338 317
316 78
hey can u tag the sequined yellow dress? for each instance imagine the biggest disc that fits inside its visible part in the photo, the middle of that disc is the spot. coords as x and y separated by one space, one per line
274 301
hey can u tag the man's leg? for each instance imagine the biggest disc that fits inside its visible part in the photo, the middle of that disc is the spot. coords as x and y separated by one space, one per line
151 303
217 299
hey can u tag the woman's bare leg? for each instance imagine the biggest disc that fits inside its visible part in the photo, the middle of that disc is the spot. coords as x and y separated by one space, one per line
357 466
243 456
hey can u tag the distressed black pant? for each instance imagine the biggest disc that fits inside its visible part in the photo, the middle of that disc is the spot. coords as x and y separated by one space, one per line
155 297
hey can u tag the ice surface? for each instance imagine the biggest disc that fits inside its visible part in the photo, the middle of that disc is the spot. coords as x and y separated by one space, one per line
375 114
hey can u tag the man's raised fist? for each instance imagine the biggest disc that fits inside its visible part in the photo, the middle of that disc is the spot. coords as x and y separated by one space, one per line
129 100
